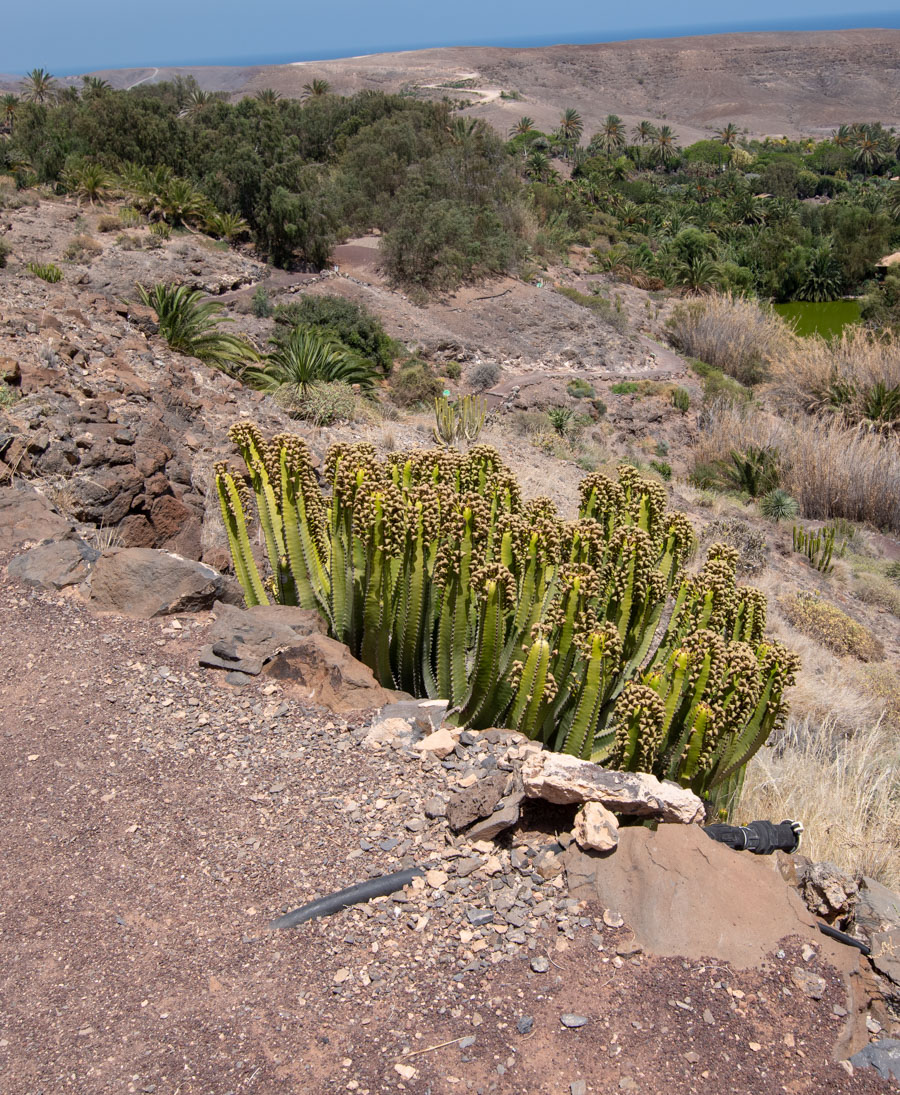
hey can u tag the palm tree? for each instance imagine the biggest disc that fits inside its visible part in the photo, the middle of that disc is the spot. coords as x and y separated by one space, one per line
309 356
823 275
612 134
728 135
10 106
94 86
89 181
226 226
315 89
196 101
537 166
644 132
522 126
180 201
190 325
664 145
571 127
869 149
842 136
38 86
268 96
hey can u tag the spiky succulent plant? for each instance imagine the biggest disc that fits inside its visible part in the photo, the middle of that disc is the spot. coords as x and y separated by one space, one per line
436 573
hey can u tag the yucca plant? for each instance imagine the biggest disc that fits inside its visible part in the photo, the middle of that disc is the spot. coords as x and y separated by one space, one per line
460 422
435 572
308 356
778 505
190 324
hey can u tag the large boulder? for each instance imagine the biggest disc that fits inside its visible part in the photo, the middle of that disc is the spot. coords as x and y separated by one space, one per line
144 583
560 778
320 670
55 565
26 517
244 639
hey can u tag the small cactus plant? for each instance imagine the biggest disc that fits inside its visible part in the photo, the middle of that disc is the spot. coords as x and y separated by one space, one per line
460 422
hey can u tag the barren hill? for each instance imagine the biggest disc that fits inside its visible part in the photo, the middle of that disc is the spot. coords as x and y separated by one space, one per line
768 83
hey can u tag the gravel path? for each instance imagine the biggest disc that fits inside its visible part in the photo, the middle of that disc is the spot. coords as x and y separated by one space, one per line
153 819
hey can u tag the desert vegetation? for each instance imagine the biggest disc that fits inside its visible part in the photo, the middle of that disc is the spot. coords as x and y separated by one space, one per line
437 574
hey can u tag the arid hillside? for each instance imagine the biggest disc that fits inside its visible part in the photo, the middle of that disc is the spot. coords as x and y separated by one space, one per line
767 83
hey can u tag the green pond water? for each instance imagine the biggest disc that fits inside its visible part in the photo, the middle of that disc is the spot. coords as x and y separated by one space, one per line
827 320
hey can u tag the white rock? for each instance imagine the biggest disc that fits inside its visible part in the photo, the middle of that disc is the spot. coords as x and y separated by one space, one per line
383 733
561 778
596 829
441 743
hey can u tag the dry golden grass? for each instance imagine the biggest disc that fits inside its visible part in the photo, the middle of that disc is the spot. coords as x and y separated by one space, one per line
831 469
845 790
738 336
811 375
836 767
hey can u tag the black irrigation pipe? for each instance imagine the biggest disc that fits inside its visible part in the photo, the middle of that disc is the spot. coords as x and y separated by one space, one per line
343 899
842 937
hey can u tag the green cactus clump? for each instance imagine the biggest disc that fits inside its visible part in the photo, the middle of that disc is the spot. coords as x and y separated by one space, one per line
439 576
818 547
460 422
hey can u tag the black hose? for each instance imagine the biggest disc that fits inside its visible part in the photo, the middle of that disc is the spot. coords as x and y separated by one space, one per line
343 899
842 937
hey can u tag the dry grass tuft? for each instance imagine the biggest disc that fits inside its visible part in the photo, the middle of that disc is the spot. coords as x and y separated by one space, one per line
738 336
843 789
831 469
853 376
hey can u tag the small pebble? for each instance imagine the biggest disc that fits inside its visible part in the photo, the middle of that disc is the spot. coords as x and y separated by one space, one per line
573 1021
540 963
525 1024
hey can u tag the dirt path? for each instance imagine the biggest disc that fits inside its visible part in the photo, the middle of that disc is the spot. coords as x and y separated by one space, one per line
152 821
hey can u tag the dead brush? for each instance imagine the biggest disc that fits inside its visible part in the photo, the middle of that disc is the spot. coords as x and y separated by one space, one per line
736 335
831 469
856 377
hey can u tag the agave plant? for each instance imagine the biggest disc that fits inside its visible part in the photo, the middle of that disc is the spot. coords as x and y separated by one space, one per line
190 324
309 356
435 572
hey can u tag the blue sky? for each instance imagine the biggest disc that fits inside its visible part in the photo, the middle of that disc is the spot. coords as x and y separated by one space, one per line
68 37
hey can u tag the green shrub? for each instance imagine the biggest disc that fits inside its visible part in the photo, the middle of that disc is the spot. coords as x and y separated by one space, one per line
452 370
415 384
717 386
624 387
129 243
483 376
681 400
8 395
778 505
161 230
828 625
345 321
46 271
439 577
5 250
662 469
190 325
580 389
129 217
260 304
